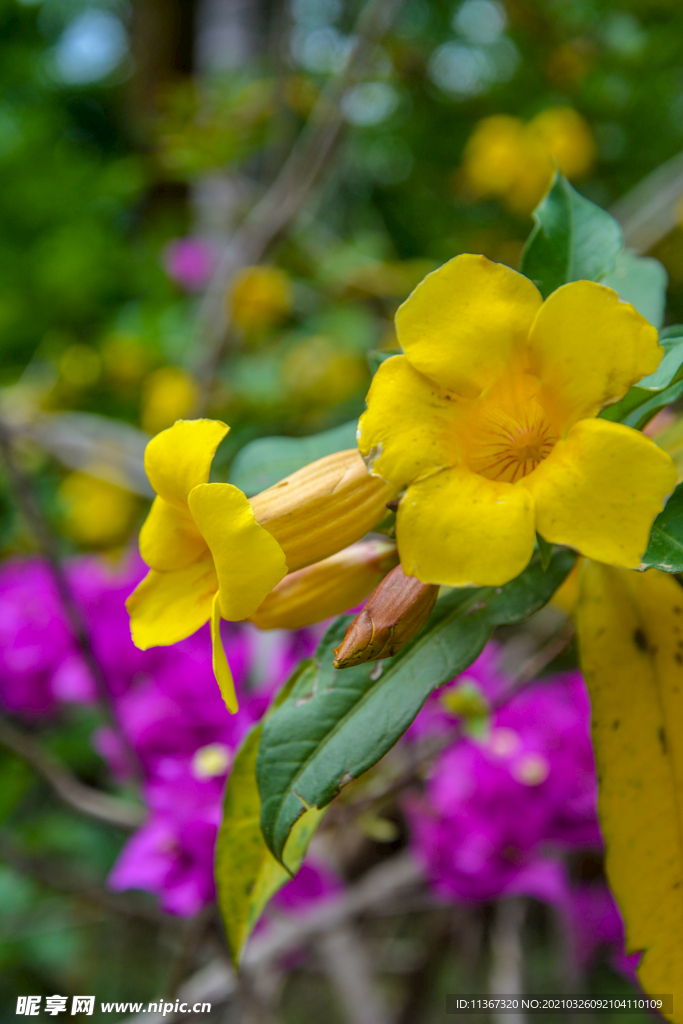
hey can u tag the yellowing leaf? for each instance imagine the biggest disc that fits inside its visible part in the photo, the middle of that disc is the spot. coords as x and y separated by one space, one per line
247 874
631 640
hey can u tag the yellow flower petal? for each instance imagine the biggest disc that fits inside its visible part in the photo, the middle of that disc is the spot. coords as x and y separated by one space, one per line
463 323
178 459
599 491
458 529
588 348
248 560
221 669
169 538
169 606
323 507
407 429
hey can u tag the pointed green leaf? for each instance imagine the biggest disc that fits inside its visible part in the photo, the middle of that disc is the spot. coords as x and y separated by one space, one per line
572 240
263 462
665 549
247 874
642 281
545 551
337 724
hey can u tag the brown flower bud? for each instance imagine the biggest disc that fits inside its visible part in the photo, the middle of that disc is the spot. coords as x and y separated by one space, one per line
328 587
322 508
395 612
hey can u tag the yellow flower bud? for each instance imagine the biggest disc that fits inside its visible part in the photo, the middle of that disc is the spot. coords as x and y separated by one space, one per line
326 588
169 394
323 507
394 613
259 297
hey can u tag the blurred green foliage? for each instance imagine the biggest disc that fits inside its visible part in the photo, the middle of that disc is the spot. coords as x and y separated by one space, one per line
95 189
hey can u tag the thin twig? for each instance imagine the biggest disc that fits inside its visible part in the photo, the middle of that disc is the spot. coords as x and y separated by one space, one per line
71 791
30 509
347 965
650 210
311 155
507 955
47 873
193 932
380 888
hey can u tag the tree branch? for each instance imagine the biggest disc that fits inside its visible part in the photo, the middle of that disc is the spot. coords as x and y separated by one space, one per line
70 790
302 171
47 873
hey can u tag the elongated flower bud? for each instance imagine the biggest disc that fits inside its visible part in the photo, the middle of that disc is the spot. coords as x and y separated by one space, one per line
394 613
322 508
328 587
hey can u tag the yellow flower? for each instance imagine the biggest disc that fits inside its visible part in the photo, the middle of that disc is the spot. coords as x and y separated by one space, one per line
168 394
214 554
259 297
97 512
515 162
489 421
208 557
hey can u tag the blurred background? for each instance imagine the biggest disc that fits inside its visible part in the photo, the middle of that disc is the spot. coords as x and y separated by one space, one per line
214 207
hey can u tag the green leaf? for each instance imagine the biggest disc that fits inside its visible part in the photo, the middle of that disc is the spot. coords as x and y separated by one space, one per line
336 725
641 281
247 874
263 462
377 356
657 390
572 240
545 551
665 549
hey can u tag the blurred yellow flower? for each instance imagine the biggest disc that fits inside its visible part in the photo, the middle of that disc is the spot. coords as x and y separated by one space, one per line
168 394
317 372
259 298
489 421
97 513
126 360
515 162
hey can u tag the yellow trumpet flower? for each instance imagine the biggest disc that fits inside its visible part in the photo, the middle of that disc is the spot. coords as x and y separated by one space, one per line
214 554
489 422
208 557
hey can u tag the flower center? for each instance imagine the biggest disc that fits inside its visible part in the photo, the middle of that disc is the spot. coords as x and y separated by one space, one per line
508 446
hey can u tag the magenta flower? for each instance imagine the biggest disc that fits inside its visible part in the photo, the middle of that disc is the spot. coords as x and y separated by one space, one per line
497 811
190 262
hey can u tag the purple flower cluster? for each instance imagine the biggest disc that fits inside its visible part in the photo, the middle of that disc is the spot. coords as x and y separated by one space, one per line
501 808
166 703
